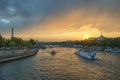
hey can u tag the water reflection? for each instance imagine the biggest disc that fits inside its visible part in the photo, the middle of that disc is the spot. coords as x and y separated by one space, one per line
65 65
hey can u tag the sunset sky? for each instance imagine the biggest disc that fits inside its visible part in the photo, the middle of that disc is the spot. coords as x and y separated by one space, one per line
58 20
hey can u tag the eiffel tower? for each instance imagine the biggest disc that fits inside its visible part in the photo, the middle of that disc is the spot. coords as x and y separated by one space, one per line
12 33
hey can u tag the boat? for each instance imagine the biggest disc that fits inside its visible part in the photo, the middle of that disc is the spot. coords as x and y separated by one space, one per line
115 50
87 54
96 48
53 52
108 49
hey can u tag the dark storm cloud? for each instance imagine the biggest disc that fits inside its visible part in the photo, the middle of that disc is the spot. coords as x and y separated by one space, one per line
21 12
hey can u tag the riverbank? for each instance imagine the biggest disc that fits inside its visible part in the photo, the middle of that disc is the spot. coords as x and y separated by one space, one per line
16 56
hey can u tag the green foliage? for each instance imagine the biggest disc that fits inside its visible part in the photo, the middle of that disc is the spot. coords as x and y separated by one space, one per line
110 42
12 44
32 41
27 44
16 42
1 41
7 42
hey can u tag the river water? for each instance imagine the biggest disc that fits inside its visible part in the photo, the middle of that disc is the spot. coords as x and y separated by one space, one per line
65 65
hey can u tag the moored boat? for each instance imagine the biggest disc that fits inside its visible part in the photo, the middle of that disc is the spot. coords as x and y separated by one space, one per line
87 54
115 50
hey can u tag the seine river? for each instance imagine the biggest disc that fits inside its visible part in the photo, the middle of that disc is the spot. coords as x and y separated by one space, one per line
65 65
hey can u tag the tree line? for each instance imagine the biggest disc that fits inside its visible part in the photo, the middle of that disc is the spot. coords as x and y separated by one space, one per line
107 42
16 42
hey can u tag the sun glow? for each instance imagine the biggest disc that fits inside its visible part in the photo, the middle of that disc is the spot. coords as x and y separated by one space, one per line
86 36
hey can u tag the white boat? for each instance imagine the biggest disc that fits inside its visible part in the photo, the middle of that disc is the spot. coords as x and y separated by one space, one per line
108 49
116 50
87 54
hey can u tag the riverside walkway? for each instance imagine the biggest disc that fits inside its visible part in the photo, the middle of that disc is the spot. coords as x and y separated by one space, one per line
8 55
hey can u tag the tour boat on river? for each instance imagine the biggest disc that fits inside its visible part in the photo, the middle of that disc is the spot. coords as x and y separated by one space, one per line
87 54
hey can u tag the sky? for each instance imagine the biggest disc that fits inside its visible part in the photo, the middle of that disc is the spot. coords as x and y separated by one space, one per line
58 20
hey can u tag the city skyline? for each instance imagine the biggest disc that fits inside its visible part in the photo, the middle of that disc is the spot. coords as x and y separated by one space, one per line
49 20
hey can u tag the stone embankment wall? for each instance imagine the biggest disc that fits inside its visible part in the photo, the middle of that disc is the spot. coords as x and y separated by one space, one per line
8 55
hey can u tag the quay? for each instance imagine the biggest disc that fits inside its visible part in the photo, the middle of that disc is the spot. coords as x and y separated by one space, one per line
16 56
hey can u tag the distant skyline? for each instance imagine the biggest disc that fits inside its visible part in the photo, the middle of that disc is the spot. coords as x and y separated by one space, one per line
59 20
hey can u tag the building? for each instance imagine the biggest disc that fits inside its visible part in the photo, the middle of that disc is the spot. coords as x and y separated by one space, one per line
101 37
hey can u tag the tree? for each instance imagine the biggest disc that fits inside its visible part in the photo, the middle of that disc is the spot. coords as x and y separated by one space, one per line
32 41
12 44
18 41
27 44
1 41
7 43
